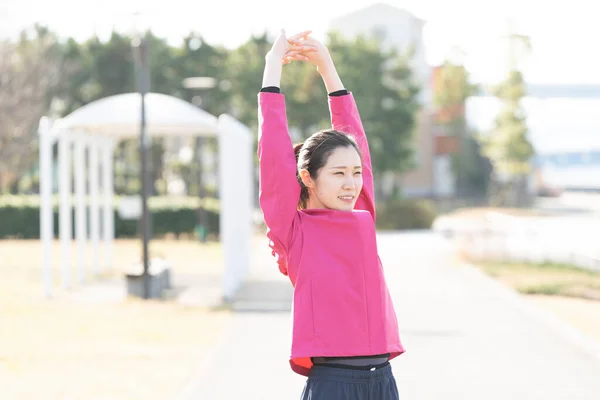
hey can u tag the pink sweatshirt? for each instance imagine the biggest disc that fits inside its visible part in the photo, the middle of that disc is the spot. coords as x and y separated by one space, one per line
342 306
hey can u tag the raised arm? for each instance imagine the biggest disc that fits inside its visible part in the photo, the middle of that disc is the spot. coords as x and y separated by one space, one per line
344 116
279 190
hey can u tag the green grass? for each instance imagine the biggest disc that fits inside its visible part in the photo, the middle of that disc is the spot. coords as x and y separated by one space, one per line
547 279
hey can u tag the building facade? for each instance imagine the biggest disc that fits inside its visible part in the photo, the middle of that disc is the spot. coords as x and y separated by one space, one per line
403 31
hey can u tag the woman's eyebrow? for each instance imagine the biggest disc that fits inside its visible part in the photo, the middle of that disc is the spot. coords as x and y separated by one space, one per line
343 167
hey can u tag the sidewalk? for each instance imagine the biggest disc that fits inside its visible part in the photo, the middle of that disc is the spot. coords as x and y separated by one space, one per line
467 337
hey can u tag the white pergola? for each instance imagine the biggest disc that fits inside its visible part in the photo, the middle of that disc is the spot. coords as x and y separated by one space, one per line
86 140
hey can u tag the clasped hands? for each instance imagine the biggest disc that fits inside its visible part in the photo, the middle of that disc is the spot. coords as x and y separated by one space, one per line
300 46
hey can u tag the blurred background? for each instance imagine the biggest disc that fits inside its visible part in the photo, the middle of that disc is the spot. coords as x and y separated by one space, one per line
486 153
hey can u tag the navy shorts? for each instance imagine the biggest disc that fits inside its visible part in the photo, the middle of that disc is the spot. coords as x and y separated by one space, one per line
335 383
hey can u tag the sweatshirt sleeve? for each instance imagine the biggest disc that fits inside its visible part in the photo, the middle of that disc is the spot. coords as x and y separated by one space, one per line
345 118
279 190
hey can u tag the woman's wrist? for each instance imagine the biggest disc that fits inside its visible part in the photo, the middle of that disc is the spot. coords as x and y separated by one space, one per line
330 77
273 69
271 57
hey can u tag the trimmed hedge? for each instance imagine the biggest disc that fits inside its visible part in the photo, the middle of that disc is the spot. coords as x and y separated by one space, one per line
406 214
20 217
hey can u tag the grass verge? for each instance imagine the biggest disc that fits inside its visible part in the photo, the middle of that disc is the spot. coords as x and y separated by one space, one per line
546 279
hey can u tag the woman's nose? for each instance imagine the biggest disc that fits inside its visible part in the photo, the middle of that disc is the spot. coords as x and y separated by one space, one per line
349 183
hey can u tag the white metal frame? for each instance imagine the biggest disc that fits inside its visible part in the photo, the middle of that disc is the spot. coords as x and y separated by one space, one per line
85 170
72 166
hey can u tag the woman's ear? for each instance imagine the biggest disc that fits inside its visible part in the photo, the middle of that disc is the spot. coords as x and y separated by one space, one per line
306 179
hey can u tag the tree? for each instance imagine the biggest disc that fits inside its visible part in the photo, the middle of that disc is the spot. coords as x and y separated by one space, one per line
387 96
197 58
245 67
507 145
380 80
79 89
306 97
471 168
451 90
452 87
30 70
99 69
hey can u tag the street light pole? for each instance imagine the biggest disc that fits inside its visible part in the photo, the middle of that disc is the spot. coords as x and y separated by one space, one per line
140 46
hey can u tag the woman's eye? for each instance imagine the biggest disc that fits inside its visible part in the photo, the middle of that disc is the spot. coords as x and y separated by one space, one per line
358 173
339 173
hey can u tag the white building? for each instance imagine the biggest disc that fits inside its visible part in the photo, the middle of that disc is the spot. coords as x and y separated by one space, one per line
398 29
401 30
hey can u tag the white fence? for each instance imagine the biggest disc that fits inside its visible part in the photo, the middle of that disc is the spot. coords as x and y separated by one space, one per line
567 240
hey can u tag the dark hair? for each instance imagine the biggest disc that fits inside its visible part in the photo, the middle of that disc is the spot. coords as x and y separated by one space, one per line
312 155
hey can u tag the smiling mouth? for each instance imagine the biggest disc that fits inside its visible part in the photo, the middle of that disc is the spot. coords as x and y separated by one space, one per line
346 198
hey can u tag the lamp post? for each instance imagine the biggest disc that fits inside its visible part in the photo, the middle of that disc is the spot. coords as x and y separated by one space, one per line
140 51
199 83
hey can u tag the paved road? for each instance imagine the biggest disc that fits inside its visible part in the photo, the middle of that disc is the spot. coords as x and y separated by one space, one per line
466 336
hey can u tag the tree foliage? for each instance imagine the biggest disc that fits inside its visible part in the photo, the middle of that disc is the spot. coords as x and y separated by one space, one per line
507 145
470 168
29 73
41 75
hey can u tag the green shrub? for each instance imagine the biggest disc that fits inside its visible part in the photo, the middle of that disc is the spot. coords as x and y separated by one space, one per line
20 217
406 214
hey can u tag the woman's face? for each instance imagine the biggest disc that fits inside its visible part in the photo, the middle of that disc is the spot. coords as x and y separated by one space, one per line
338 183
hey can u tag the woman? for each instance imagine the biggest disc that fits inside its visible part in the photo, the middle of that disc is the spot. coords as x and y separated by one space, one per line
318 204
